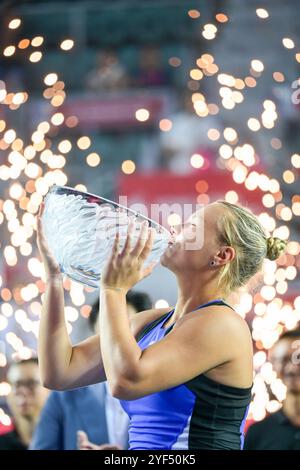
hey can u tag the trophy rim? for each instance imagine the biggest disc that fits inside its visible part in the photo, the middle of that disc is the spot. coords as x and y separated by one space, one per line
103 199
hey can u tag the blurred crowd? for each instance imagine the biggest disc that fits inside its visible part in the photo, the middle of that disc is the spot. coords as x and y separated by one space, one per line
110 74
281 430
169 146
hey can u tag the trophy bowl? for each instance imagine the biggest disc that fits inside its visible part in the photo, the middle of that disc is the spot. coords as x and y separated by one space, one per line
80 229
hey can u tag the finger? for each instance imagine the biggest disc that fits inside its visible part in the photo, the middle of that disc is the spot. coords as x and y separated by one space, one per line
148 246
109 447
41 240
39 228
82 435
142 239
82 439
40 235
147 271
128 242
39 225
41 209
115 247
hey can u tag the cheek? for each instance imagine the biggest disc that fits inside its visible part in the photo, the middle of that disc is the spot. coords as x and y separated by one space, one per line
194 258
188 258
188 235
193 239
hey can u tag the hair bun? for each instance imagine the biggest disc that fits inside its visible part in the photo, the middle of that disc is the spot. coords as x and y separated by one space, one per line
275 247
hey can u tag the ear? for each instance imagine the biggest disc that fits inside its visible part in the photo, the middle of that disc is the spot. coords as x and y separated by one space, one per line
226 254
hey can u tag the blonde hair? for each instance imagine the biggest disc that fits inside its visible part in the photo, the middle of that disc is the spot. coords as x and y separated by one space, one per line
241 229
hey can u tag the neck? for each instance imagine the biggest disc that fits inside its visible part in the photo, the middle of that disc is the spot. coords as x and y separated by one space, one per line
291 407
193 292
25 428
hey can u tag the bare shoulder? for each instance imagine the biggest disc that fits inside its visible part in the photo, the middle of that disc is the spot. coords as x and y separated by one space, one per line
220 343
217 322
227 330
141 319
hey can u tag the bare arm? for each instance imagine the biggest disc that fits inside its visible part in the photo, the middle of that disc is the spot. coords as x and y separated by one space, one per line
63 366
204 341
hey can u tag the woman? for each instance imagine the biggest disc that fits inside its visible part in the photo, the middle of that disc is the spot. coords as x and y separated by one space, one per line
184 375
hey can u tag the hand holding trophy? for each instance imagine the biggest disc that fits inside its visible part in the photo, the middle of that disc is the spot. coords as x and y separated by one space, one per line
125 267
51 266
76 232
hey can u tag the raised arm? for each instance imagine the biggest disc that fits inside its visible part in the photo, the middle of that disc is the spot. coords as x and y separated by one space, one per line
62 366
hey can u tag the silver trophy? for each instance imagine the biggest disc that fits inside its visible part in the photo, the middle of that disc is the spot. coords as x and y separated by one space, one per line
80 229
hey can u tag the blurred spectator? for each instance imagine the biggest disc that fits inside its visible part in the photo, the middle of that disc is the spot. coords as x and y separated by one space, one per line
187 135
281 430
25 401
14 78
89 411
151 72
65 413
288 101
109 73
117 419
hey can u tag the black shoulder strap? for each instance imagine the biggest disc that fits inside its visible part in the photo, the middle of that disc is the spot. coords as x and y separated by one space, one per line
147 328
153 324
220 302
215 302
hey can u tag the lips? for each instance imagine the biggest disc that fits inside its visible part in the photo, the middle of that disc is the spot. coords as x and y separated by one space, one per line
172 239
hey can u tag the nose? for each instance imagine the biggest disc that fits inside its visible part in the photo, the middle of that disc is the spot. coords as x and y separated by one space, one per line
23 391
174 232
176 229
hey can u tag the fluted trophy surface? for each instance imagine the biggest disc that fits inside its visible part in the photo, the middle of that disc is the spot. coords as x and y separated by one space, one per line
80 229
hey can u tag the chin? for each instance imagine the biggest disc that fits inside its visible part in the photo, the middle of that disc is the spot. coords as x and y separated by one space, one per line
165 261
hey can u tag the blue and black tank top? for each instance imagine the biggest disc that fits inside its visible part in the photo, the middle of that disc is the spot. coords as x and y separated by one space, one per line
198 414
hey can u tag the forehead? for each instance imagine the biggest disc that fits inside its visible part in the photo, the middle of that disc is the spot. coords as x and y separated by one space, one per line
23 372
209 213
